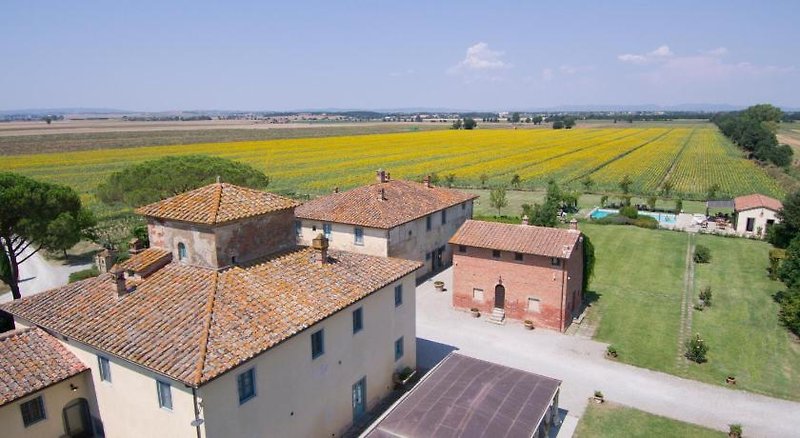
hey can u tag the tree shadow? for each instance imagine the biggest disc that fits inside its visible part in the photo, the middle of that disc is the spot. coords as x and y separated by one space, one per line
590 297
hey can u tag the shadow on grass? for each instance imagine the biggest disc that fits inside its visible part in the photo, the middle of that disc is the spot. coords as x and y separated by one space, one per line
590 297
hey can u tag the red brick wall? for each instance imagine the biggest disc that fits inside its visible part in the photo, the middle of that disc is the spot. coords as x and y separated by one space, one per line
533 277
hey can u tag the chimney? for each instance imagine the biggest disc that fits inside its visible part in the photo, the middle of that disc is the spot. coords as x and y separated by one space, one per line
573 225
336 189
388 176
427 181
525 220
382 194
119 280
380 175
320 245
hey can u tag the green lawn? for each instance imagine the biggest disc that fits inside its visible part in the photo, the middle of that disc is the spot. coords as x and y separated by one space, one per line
639 283
609 421
741 328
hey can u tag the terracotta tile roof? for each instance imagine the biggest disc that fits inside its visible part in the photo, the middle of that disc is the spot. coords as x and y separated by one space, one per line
403 202
217 203
31 360
526 239
144 261
756 201
193 324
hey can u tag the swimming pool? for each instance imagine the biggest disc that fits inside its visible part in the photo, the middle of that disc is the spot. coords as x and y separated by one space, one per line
662 218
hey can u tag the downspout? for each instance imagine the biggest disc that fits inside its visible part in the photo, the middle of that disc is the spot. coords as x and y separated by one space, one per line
563 295
197 420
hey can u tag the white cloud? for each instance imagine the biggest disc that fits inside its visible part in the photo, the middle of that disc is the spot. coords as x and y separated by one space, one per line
661 53
719 51
481 58
547 74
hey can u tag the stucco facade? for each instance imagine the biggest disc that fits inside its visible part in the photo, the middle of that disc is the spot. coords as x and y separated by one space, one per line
411 240
297 396
545 290
55 398
222 245
755 221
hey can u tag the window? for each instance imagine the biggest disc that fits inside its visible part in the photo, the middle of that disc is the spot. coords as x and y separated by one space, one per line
495 253
246 382
32 411
534 305
164 394
398 349
463 206
477 294
181 251
462 248
751 224
326 230
359 235
427 256
398 295
518 256
105 368
428 223
317 344
444 217
298 228
555 261
358 320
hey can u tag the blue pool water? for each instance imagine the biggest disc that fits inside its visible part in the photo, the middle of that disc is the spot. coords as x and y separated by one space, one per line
662 218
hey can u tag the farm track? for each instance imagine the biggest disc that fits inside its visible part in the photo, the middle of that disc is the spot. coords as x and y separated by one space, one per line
685 331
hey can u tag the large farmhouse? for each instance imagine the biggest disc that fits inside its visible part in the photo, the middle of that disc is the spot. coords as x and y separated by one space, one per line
755 214
224 328
393 218
519 271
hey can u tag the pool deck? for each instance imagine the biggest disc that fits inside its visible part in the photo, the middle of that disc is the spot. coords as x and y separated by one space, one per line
689 223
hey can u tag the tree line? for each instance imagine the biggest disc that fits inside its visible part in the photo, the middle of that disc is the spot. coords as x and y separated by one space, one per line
754 131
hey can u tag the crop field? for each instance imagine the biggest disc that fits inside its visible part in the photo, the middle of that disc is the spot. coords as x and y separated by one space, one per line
692 158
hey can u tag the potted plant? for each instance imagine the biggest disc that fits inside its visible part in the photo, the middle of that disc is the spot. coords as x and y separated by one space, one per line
611 351
735 430
439 285
402 377
528 324
598 397
475 312
730 380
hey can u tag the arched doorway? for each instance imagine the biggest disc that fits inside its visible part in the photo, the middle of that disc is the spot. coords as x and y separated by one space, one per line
77 420
499 296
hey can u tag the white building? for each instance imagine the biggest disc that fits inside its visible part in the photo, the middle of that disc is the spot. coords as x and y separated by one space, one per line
390 218
195 338
755 214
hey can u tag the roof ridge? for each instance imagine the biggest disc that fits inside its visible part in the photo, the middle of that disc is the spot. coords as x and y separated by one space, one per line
217 202
201 362
15 332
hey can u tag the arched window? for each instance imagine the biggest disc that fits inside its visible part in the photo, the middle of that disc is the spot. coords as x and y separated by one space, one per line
181 251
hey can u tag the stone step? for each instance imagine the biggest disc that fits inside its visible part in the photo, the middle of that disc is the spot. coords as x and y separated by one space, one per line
498 316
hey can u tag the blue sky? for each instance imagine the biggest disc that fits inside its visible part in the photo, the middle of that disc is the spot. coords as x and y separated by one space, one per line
374 54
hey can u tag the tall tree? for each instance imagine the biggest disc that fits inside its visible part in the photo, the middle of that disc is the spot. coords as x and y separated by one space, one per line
625 184
36 216
154 180
470 123
484 178
516 180
515 118
497 198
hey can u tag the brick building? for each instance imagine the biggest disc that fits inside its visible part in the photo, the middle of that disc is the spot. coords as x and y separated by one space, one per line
519 271
390 218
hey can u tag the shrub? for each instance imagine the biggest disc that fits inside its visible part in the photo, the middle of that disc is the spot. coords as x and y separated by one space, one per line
775 257
735 430
641 221
603 200
612 351
678 205
696 349
83 275
598 394
629 212
705 296
702 254
789 313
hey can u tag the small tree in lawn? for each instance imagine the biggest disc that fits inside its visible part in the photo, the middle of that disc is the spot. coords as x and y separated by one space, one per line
484 177
666 188
516 180
625 184
497 198
696 349
705 296
678 205
587 184
702 254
